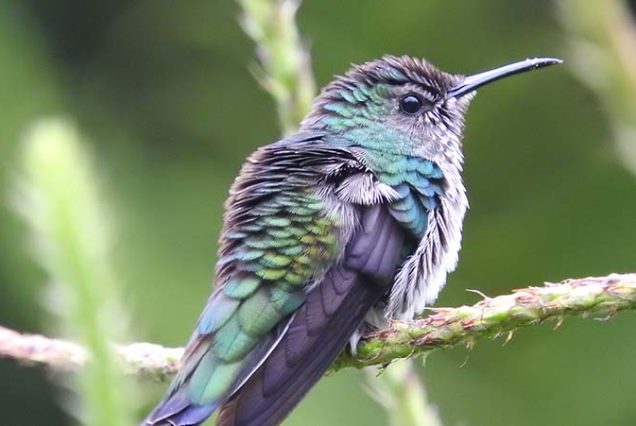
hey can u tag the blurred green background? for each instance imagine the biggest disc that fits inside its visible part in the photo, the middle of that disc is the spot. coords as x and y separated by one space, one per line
163 92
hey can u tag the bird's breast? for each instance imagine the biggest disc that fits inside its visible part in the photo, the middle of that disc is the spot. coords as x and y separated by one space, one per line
419 185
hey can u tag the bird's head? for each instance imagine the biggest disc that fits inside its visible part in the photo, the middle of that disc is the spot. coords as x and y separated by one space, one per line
402 104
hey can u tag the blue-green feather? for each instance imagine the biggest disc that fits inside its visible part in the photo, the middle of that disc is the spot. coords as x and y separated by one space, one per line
416 181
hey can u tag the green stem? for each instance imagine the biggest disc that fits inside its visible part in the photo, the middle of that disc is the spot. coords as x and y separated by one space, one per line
284 63
58 197
595 297
399 389
599 297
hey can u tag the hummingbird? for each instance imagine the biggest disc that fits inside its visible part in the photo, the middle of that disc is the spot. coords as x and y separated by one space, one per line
328 233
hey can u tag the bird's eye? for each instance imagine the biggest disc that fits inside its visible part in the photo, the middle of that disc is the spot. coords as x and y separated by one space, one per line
411 103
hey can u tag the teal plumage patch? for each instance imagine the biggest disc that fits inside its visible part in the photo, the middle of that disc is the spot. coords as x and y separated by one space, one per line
257 316
418 183
231 342
218 311
211 379
285 301
241 287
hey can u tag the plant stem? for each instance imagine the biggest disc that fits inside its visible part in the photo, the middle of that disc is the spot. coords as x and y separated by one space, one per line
594 297
400 390
284 63
59 198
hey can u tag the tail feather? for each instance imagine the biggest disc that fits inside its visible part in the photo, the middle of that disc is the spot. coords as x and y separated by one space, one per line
193 415
180 407
170 406
177 409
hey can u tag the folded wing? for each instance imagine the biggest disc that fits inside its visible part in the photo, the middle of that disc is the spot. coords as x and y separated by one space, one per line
321 328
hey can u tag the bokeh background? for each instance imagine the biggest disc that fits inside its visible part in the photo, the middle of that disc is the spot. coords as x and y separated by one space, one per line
163 92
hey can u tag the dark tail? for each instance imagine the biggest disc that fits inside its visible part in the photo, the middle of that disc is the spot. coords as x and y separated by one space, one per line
177 409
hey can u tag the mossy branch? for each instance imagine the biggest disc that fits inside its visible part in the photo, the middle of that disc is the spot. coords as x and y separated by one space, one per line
595 297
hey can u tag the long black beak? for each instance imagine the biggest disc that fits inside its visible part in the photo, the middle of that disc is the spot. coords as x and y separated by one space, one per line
473 82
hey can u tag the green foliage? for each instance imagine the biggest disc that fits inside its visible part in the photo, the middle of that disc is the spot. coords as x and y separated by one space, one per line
59 197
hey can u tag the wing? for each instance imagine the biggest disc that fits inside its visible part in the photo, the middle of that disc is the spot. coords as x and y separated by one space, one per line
321 328
279 238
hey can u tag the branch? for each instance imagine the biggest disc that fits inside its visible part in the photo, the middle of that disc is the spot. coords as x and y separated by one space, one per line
595 297
145 360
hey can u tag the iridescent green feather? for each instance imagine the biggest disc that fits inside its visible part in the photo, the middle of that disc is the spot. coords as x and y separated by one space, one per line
275 256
